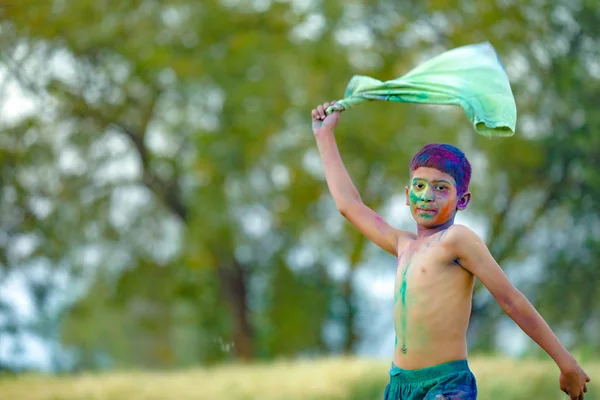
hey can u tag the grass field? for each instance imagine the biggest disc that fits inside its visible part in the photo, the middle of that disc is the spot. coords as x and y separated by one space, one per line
331 379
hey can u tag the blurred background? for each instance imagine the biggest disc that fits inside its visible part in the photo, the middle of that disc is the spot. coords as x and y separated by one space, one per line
163 203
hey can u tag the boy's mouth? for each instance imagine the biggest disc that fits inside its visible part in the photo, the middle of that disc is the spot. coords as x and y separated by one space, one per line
426 211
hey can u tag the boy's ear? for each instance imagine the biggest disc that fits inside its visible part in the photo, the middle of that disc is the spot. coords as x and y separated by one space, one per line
463 201
407 196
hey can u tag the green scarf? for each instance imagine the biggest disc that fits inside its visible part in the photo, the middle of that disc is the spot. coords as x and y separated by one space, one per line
470 76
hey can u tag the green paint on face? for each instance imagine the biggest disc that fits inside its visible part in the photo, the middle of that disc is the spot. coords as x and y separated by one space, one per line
416 198
439 193
426 216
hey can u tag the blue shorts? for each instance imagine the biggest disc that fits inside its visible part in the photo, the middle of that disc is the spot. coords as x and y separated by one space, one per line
449 381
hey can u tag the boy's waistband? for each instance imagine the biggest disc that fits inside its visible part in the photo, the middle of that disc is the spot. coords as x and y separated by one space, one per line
429 373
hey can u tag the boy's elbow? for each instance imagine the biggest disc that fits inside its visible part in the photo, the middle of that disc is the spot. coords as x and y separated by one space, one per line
511 300
344 210
346 207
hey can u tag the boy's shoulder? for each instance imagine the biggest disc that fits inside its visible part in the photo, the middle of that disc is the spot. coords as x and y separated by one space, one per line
457 235
466 245
459 229
452 239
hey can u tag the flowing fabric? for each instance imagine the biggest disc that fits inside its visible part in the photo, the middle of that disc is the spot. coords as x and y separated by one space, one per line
471 77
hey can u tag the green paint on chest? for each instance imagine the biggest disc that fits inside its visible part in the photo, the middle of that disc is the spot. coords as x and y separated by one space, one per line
403 315
403 299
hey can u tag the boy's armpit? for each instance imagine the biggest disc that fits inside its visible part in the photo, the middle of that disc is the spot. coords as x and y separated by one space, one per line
474 256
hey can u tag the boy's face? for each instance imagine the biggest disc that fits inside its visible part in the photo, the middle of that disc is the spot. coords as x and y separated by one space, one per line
432 197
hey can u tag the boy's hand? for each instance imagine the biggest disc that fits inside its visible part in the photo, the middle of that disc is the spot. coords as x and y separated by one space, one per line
322 120
573 381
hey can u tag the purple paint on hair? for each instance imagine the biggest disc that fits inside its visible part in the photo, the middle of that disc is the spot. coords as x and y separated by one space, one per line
445 158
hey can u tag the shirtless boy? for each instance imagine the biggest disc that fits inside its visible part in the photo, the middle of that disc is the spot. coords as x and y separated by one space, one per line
436 270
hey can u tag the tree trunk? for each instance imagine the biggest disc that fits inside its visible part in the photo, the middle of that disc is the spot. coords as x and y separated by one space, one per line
349 322
234 290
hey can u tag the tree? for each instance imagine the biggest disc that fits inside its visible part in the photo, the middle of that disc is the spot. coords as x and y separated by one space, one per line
176 88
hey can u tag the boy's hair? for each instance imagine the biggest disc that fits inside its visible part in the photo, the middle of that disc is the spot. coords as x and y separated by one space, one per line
445 158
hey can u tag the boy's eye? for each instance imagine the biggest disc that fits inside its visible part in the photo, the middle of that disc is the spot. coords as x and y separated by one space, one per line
420 185
441 187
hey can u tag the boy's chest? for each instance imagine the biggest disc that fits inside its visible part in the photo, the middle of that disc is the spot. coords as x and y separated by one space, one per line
424 264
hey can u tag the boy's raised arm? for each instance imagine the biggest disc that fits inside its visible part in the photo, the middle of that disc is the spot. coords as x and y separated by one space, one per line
474 256
344 193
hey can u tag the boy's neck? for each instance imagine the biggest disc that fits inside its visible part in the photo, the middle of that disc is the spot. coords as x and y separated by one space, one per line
424 232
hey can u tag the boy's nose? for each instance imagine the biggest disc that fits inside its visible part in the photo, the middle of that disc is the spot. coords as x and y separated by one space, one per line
428 196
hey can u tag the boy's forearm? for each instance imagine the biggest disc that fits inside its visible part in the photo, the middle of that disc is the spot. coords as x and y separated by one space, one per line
531 322
339 182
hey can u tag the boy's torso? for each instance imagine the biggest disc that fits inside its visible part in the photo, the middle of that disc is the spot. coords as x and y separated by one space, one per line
432 305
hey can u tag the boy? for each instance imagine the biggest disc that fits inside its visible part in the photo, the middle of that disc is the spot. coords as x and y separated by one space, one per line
435 274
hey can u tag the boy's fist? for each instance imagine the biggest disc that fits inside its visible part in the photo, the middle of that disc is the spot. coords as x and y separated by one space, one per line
321 119
573 382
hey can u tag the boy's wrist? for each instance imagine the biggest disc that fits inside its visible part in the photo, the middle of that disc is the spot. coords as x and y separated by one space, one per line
566 363
325 130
